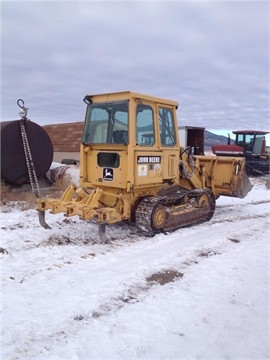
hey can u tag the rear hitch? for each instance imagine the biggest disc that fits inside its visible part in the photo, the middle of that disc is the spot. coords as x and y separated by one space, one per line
41 218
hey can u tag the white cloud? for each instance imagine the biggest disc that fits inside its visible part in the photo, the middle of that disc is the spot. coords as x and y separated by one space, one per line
205 55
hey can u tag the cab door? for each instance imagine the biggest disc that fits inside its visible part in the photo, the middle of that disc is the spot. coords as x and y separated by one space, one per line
157 147
168 142
148 157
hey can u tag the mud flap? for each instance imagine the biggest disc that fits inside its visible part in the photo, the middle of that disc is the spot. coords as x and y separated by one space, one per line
243 187
41 218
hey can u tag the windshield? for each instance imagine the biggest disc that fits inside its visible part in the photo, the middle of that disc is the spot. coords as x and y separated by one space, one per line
106 123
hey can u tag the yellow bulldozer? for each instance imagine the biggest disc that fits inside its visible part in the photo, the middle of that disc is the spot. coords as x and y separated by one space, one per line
133 168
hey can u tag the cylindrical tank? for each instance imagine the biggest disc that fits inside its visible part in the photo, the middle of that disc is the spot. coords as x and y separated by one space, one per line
67 174
13 163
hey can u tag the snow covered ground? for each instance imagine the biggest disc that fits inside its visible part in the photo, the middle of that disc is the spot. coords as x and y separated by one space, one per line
197 293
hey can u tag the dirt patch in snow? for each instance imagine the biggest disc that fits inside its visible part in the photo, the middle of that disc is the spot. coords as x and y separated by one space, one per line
234 240
164 277
3 251
207 253
58 240
132 294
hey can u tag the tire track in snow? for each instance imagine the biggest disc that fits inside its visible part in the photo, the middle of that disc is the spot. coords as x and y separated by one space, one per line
240 218
134 292
246 203
156 254
138 291
127 237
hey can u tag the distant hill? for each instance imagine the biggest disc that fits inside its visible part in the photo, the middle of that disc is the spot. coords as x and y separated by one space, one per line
211 139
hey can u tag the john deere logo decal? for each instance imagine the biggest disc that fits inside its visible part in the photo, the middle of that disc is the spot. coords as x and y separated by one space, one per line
149 159
108 174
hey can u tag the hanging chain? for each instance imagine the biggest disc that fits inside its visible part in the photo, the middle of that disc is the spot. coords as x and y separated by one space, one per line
28 156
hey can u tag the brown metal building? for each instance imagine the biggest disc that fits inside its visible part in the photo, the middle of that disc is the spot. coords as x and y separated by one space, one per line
66 140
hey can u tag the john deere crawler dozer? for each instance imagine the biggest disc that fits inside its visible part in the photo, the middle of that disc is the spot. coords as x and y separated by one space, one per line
132 168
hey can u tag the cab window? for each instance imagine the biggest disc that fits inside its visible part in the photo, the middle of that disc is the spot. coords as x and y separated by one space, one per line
166 127
106 123
145 135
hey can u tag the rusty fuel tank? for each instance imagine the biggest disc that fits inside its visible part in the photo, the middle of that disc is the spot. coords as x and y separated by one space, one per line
13 164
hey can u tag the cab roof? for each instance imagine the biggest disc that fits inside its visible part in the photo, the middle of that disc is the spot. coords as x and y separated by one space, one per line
251 132
127 95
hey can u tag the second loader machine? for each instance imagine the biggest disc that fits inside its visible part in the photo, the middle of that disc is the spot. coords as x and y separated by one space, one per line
132 168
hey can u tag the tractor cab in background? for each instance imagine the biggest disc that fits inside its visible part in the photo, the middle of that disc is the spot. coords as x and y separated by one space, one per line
250 144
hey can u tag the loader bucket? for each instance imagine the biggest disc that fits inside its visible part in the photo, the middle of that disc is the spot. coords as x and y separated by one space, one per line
243 186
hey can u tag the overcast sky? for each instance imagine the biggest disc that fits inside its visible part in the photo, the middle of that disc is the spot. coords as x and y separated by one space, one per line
210 56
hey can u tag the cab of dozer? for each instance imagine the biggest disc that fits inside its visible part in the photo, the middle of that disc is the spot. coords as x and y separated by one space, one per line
132 167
